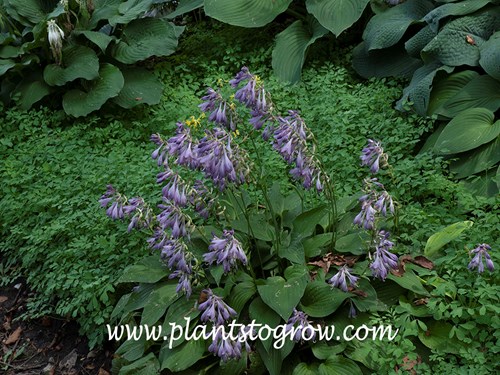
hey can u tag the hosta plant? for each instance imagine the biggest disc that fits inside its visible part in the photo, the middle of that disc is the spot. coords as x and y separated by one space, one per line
81 52
450 51
224 255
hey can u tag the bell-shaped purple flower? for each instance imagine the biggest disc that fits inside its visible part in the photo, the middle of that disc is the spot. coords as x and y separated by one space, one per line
383 260
226 251
225 349
373 155
477 260
215 310
299 321
342 278
210 100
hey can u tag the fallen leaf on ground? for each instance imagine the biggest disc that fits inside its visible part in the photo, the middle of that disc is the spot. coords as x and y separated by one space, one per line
14 336
3 299
102 372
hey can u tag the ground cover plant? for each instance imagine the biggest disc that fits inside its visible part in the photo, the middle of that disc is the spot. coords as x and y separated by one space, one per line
356 110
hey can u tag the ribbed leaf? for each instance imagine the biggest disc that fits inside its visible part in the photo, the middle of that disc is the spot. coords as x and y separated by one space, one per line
468 130
336 15
32 10
148 270
185 6
484 184
263 314
320 299
415 44
444 236
108 85
245 13
291 47
376 64
448 87
386 29
130 10
159 300
457 9
409 281
98 38
305 369
78 62
183 356
490 56
31 91
141 86
480 92
6 65
459 41
339 365
103 10
478 160
144 38
418 91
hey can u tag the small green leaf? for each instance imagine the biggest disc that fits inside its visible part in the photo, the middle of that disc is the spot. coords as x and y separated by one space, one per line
441 238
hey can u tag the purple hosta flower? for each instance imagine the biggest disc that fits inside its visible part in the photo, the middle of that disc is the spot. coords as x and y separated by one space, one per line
202 199
215 310
108 196
225 349
226 251
393 2
184 284
477 261
299 320
183 146
159 239
142 213
373 156
375 200
242 75
176 256
172 217
115 211
160 154
341 278
383 260
219 115
383 202
209 100
352 311
219 160
366 217
247 94
175 189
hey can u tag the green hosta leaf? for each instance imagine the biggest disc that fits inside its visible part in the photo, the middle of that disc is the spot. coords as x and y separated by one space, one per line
437 337
458 9
314 245
6 65
376 64
485 184
306 222
339 365
306 369
242 293
459 41
7 52
129 11
320 299
409 281
448 87
140 87
470 129
99 39
441 238
480 92
185 6
387 28
108 85
490 55
354 243
103 10
418 91
159 300
31 91
263 314
274 358
178 314
148 270
144 38
245 13
32 10
294 250
78 62
291 46
322 349
283 295
477 160
416 43
336 15
183 356
147 365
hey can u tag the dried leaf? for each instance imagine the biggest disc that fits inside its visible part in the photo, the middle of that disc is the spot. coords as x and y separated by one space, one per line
14 336
357 292
102 372
3 299
423 262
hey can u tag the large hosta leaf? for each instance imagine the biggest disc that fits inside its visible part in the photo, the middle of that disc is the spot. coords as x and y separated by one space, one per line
103 10
458 9
245 13
146 37
291 46
444 236
185 6
35 10
416 43
130 10
100 39
31 91
470 129
141 86
482 91
459 41
448 87
320 299
376 64
78 62
108 85
6 65
490 56
477 160
336 15
387 28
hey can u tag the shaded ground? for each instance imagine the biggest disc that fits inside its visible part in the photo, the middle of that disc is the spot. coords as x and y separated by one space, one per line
43 346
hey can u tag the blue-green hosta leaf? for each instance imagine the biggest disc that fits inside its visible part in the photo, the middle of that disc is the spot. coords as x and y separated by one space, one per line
30 90
419 89
437 337
6 65
490 56
109 84
183 356
468 130
459 41
320 299
387 28
245 13
458 9
159 300
141 87
477 160
336 15
185 6
409 281
263 314
32 10
484 184
147 365
291 46
144 38
103 10
444 236
78 62
354 243
130 10
480 92
376 64
339 365
448 87
98 38
416 43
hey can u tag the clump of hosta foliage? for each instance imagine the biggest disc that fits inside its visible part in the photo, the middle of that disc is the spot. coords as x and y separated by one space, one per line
82 52
222 255
450 50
